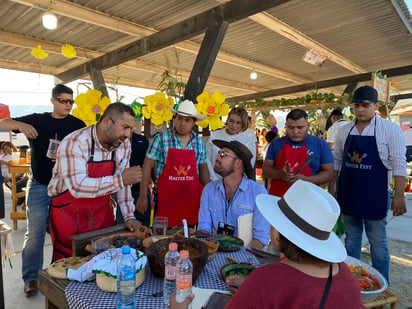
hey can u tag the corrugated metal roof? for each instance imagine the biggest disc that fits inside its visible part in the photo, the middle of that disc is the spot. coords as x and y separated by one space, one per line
370 34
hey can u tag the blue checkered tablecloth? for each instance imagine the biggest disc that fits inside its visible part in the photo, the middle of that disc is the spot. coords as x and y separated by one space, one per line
89 296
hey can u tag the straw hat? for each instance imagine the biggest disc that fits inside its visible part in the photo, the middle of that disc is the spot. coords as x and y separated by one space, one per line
306 216
187 108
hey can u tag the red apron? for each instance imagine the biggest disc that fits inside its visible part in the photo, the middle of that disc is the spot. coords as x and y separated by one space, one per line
295 157
179 188
70 215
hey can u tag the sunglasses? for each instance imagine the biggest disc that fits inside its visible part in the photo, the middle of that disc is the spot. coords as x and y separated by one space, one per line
223 154
64 101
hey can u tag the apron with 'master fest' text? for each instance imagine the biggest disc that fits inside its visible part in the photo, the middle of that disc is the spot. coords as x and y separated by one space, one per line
363 179
179 188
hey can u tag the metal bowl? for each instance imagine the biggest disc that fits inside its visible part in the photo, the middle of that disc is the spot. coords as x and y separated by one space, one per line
368 296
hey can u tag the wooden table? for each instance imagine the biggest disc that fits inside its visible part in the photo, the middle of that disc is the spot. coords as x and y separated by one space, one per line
387 297
15 170
53 291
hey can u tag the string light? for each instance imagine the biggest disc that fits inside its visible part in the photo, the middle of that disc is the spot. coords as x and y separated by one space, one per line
253 75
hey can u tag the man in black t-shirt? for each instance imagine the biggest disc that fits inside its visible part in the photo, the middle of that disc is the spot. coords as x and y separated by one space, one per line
40 130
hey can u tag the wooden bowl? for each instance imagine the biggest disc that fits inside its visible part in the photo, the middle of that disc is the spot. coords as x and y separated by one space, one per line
147 242
198 253
139 234
212 247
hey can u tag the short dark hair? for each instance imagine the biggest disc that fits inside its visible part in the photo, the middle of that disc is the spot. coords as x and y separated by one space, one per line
336 112
116 111
270 136
296 114
59 89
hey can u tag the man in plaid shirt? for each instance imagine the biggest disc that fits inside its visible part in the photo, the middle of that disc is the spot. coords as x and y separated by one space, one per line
178 156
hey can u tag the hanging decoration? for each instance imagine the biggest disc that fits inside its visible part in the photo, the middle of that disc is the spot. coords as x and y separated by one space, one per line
69 51
213 107
90 106
137 109
309 99
157 109
38 53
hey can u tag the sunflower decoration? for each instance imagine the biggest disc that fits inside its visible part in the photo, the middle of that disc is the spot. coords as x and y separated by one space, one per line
68 51
38 53
137 109
90 106
157 109
213 107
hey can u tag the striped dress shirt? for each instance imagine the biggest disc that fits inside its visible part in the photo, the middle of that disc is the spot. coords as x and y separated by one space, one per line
70 170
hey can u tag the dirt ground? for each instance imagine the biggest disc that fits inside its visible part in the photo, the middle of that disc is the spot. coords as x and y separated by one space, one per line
400 271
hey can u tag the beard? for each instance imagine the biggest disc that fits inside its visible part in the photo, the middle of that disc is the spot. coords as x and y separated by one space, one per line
224 172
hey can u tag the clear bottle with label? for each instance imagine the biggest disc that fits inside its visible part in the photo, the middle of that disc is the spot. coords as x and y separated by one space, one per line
184 272
171 258
126 280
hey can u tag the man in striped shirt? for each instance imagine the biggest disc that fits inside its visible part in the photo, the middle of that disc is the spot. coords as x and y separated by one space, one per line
92 164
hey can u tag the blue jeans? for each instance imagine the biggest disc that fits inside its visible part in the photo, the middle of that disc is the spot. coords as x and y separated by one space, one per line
38 202
376 233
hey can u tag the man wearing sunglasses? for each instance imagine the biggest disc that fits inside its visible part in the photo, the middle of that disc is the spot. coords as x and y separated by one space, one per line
40 129
224 200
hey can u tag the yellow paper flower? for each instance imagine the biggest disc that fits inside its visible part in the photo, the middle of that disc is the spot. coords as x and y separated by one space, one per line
39 53
157 108
90 106
213 107
68 51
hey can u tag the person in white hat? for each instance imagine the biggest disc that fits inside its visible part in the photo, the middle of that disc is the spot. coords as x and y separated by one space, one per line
178 157
311 272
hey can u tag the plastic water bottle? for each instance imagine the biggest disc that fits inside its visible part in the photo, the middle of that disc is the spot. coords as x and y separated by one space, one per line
169 285
126 280
184 271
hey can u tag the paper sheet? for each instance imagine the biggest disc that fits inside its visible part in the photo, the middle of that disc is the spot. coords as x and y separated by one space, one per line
245 228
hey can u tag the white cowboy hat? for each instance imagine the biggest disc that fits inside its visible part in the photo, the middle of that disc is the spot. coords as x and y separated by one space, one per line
306 216
187 109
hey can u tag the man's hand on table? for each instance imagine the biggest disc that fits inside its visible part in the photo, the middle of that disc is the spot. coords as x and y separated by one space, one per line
132 175
132 224
233 283
175 305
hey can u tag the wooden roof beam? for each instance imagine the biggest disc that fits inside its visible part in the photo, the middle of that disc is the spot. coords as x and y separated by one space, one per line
229 12
99 19
321 84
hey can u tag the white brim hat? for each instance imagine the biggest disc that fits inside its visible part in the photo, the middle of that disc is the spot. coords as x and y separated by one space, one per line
306 216
187 109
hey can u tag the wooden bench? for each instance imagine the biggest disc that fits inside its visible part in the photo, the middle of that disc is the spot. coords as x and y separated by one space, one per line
387 297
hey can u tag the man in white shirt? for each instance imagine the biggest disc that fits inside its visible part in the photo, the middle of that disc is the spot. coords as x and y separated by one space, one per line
368 152
337 122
